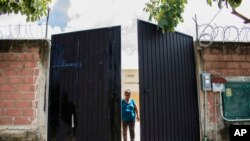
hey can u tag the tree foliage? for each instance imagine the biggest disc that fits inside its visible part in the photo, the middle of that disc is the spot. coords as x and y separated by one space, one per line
33 9
168 13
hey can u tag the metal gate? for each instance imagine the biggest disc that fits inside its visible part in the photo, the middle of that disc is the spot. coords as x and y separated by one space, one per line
84 93
168 96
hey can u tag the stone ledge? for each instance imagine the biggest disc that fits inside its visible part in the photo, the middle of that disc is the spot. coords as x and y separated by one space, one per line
25 136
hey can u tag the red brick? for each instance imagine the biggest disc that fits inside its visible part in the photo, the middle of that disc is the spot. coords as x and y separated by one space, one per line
6 104
25 72
9 56
28 112
10 72
209 57
2 96
2 112
241 72
207 50
227 72
36 57
23 104
26 56
212 57
224 58
6 88
3 79
4 64
245 65
15 80
13 57
28 80
15 64
233 50
25 88
232 65
244 72
221 65
22 121
236 57
18 72
211 106
28 96
215 65
31 64
210 98
211 114
34 50
1 56
248 58
234 72
13 112
247 51
5 120
13 96
208 65
216 51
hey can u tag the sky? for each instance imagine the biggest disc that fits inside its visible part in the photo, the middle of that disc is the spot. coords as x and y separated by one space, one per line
75 15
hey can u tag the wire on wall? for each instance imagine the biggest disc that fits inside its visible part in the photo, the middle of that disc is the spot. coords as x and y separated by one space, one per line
23 31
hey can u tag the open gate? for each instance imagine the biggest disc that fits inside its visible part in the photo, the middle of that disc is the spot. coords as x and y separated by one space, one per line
85 89
168 94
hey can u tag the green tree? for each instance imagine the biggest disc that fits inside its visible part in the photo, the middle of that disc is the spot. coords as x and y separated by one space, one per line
168 13
33 9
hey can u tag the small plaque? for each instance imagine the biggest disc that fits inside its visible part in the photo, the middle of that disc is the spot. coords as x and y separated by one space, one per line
229 92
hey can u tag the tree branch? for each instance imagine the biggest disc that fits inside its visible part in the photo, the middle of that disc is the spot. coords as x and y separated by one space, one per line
246 20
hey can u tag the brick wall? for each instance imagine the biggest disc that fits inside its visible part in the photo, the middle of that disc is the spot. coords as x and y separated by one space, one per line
23 65
228 60
18 76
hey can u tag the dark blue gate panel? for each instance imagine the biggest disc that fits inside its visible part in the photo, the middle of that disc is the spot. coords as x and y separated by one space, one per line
168 96
84 96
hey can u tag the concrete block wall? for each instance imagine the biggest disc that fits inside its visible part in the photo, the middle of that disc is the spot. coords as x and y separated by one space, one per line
230 60
23 73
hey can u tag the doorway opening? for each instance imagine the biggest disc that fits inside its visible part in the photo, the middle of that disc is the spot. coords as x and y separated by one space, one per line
130 81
